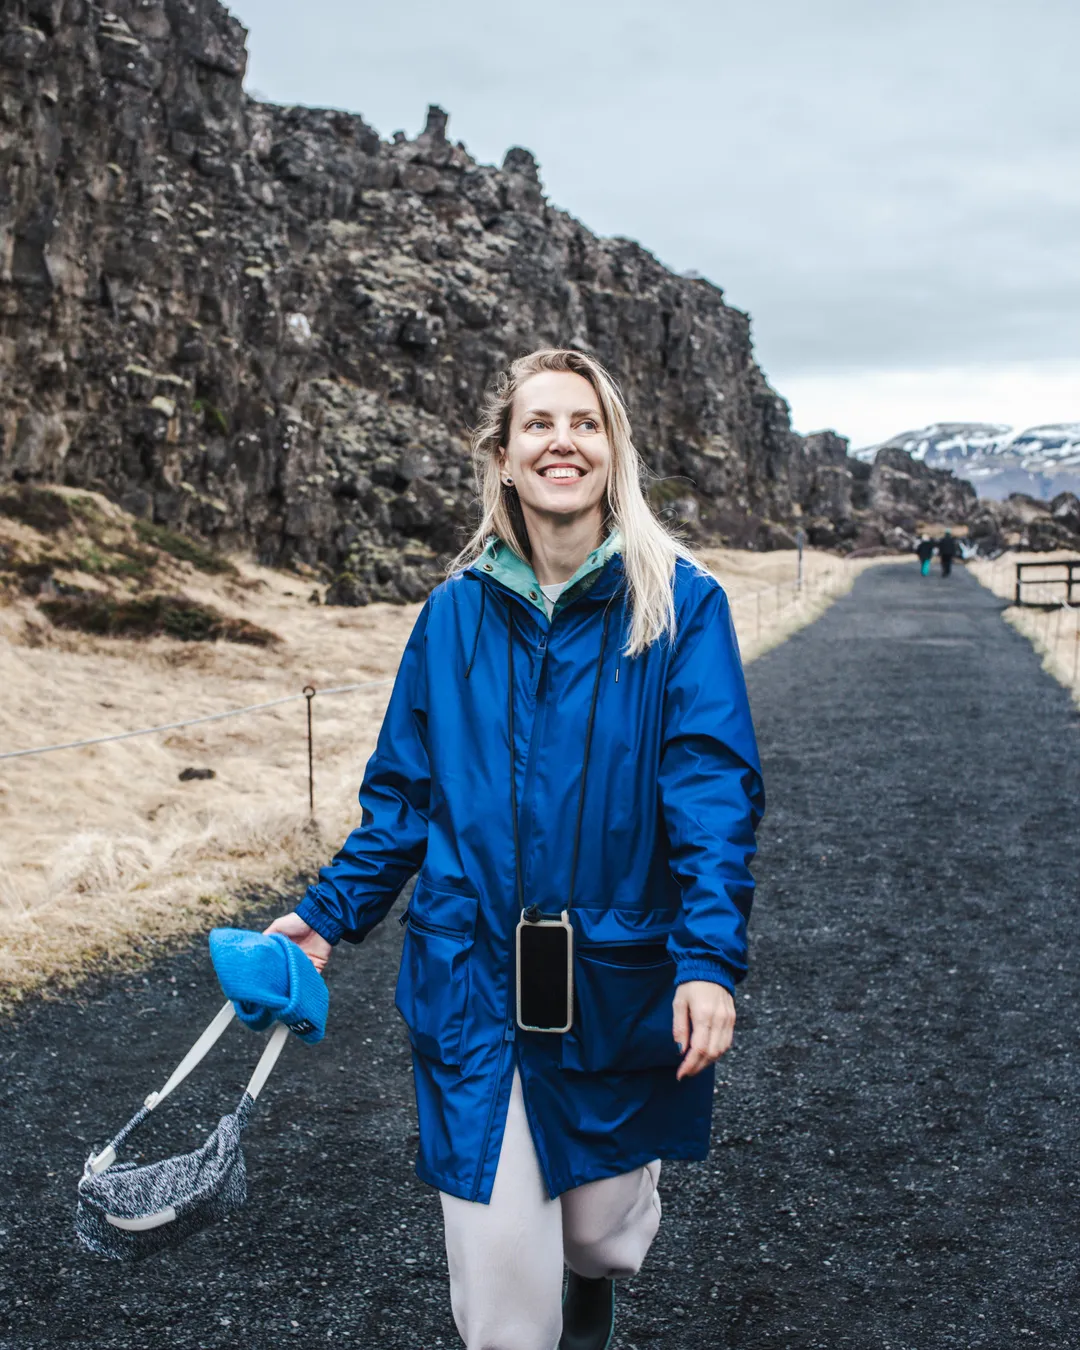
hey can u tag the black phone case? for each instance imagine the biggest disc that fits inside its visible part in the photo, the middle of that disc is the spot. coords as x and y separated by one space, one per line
545 974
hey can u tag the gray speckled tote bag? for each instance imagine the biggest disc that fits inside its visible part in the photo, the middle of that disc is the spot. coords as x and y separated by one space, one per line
127 1212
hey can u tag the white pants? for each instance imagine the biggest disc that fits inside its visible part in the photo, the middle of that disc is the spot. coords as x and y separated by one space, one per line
506 1258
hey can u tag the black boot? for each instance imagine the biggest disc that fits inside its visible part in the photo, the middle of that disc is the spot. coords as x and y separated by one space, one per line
588 1314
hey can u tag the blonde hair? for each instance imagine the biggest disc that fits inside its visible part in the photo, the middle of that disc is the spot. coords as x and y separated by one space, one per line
649 550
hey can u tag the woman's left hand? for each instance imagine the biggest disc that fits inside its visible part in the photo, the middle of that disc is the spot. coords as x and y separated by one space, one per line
703 1024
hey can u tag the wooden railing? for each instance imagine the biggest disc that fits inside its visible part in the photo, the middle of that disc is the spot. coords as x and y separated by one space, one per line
1069 580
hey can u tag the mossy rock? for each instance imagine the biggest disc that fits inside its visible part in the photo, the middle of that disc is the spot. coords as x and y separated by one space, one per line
661 491
180 546
39 508
172 616
33 574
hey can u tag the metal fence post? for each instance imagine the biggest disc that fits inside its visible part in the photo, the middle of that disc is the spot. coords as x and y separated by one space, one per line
309 694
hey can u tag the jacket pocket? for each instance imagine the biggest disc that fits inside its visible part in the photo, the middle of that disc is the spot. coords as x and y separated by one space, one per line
432 992
622 1009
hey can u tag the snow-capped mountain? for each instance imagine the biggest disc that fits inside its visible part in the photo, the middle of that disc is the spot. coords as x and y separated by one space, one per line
944 444
1041 461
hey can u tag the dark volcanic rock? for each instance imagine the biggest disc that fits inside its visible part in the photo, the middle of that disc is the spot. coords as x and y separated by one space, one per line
1028 523
267 326
904 496
1065 512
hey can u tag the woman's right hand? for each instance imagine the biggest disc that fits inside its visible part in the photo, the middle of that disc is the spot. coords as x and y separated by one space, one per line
305 937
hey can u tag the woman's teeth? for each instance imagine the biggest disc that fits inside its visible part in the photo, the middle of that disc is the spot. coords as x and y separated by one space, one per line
560 473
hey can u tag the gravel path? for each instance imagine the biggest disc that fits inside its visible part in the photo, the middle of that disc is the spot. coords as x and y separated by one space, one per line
895 1159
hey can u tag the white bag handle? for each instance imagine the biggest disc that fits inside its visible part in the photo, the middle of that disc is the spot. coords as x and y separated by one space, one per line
195 1055
198 1052
267 1060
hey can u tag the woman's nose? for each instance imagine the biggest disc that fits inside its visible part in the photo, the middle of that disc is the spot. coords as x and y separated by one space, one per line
561 438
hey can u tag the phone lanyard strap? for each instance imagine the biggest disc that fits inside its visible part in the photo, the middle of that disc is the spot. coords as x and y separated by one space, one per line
510 626
513 758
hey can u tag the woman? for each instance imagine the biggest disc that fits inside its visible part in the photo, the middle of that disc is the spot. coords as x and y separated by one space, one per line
568 732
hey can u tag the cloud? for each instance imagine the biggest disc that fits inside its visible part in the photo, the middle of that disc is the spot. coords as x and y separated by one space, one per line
869 406
886 186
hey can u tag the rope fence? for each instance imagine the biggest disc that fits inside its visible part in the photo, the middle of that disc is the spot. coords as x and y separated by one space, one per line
771 601
191 721
777 597
309 692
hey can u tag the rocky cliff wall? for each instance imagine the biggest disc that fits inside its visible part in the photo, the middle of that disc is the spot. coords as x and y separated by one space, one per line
270 327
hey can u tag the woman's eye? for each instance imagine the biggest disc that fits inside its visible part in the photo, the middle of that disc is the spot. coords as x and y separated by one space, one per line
588 424
534 423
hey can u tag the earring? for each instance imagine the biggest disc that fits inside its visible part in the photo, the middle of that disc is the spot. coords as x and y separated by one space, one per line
509 482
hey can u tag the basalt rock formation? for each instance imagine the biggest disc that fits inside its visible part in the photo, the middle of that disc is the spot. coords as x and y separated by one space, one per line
903 493
268 327
1027 523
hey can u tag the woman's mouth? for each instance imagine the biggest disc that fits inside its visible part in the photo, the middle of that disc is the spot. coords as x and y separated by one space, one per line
562 473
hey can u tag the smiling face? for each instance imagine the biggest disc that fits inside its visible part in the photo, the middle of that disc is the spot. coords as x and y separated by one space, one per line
557 450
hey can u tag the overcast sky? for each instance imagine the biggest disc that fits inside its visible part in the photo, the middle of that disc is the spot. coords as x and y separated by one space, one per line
891 188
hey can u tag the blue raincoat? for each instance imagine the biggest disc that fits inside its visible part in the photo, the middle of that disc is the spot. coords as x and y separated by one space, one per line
662 890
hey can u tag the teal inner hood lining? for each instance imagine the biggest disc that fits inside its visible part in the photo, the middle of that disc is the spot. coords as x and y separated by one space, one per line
499 561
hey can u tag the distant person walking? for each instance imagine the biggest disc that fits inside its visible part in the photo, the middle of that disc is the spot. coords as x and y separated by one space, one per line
924 551
568 759
948 548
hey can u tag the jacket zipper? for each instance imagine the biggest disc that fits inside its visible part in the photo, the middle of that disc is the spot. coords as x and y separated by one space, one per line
542 653
410 920
530 762
510 1029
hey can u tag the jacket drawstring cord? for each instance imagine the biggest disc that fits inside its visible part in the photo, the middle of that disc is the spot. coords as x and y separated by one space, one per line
479 624
585 759
618 650
518 882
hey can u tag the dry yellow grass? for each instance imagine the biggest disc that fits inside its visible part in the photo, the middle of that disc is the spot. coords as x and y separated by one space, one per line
103 846
766 602
105 851
1054 630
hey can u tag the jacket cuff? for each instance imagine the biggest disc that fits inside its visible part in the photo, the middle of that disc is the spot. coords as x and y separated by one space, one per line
317 918
703 969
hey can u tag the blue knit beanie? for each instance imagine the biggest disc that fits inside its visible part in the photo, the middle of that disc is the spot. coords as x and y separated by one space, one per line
270 979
